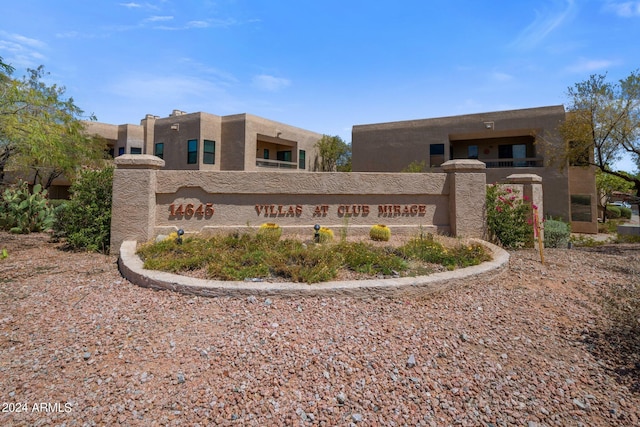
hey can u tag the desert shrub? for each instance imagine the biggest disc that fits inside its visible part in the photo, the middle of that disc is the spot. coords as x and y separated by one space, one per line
508 218
270 230
613 212
22 211
627 238
365 258
609 227
416 167
380 232
85 220
425 248
556 234
250 256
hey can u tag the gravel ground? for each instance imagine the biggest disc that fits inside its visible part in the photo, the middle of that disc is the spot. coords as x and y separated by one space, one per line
79 345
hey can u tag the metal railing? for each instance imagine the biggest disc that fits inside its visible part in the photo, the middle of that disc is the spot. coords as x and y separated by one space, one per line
268 163
526 162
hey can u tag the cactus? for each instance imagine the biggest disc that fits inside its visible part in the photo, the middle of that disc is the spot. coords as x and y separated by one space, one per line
325 235
270 231
380 232
24 212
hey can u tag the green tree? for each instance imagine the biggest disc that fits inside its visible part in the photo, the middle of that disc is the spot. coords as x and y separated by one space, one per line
343 164
333 154
41 131
603 124
417 167
6 68
606 184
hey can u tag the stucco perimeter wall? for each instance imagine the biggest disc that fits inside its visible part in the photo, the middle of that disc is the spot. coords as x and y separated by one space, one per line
148 201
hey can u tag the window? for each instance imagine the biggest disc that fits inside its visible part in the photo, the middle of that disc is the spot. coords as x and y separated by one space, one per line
513 151
436 154
505 151
266 153
581 207
302 159
472 152
209 154
136 150
120 151
192 151
284 156
158 150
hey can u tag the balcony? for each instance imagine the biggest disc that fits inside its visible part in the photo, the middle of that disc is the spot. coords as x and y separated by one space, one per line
523 162
279 164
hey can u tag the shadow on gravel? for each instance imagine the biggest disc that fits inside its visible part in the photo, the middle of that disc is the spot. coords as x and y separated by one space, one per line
616 340
619 350
612 249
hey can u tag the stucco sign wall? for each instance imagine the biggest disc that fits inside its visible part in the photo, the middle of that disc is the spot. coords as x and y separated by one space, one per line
148 201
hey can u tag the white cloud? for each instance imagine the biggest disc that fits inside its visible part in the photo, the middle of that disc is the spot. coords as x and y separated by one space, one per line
270 83
501 77
544 24
131 5
23 52
198 24
67 35
220 76
26 41
589 65
165 87
159 19
133 95
625 9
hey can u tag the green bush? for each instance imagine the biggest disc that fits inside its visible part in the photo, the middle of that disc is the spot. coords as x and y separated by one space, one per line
556 234
85 220
625 212
22 211
613 212
508 218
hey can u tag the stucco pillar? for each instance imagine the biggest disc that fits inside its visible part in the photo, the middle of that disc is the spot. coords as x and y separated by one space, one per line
467 197
134 198
532 194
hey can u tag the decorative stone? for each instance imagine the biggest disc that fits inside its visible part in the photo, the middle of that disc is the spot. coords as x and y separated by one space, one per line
411 362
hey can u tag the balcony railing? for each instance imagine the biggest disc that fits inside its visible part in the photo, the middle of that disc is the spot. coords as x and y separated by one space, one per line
526 162
268 163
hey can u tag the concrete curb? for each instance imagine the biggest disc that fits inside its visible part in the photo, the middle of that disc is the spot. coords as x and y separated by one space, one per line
131 269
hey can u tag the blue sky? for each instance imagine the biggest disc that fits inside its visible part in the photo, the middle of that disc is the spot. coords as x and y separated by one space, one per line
320 65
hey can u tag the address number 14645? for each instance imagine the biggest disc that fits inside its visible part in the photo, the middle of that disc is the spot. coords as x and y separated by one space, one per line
190 209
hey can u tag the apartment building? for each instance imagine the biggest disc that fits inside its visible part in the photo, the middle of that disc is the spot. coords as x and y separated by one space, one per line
203 141
508 142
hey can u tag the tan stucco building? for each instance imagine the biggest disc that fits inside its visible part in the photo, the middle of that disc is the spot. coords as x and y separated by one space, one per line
508 142
203 141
